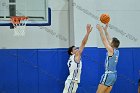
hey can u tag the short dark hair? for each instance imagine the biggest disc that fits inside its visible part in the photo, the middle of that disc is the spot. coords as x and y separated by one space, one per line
70 50
115 42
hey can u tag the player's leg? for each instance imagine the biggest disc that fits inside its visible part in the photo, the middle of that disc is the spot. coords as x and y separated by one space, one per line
65 90
107 82
75 87
68 86
110 82
101 88
108 90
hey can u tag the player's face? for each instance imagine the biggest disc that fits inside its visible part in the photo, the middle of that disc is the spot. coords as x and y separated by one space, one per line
111 44
74 50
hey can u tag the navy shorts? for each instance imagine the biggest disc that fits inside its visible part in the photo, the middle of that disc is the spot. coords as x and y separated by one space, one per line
108 79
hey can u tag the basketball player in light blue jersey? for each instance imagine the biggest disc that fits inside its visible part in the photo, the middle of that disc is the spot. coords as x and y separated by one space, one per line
109 77
75 64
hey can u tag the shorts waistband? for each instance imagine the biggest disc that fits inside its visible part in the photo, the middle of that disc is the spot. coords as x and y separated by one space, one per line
110 72
75 81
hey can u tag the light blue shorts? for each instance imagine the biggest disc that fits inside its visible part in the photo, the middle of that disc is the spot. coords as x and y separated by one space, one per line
108 79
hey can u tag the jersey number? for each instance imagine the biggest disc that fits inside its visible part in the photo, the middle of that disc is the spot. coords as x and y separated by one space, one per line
116 59
70 64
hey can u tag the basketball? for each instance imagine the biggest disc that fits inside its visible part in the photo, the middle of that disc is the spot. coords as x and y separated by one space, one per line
105 18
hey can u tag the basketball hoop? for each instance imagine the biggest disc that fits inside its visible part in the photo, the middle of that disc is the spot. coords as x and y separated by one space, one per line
19 24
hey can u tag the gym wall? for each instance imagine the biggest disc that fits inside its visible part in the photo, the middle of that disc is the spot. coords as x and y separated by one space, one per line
37 63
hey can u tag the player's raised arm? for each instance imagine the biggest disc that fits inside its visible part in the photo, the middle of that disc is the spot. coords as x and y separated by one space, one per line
84 41
109 39
104 40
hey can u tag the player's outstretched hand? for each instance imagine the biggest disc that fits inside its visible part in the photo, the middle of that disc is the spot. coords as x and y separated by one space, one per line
105 28
99 27
89 28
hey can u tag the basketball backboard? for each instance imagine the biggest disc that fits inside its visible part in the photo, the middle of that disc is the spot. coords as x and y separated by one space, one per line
36 10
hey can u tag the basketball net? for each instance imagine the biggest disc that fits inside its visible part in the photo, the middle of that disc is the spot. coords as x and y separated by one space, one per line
19 24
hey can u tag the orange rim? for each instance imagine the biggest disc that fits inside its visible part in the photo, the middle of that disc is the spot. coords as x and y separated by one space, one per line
17 19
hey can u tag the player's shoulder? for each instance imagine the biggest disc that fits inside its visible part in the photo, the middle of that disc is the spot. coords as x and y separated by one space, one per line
72 56
116 51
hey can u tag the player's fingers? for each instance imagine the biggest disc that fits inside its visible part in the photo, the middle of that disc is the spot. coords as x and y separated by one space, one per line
106 24
97 25
91 28
103 27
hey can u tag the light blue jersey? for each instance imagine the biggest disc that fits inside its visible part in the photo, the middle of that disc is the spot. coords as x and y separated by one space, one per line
110 76
111 61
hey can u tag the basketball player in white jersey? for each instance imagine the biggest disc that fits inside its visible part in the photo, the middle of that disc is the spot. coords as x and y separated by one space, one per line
109 77
75 64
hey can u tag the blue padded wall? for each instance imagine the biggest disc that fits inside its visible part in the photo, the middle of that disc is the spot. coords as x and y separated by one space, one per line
52 64
125 72
45 70
89 76
8 71
27 71
136 60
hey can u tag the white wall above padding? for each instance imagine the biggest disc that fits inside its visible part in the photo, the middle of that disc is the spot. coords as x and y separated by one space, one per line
124 22
83 16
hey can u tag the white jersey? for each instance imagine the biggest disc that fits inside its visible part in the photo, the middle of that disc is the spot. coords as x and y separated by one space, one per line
74 69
